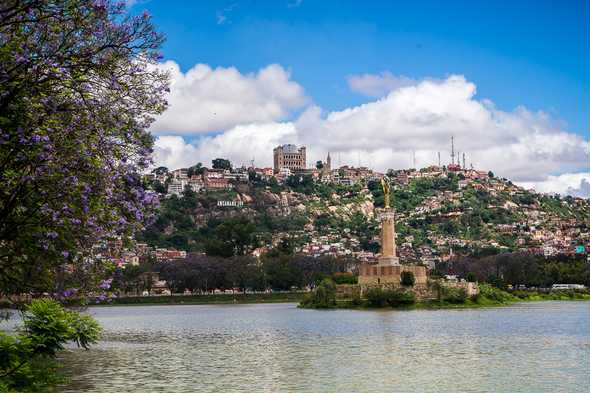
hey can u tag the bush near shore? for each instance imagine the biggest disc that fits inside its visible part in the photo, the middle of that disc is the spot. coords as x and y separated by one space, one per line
448 297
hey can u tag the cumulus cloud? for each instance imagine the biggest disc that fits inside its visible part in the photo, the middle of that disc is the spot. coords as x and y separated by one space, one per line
575 184
173 152
248 142
208 100
241 144
522 145
583 190
379 85
415 120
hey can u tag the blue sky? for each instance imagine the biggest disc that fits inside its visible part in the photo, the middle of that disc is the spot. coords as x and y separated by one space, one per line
532 53
382 81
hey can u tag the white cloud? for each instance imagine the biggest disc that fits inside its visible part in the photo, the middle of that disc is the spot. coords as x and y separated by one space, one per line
173 152
583 190
376 86
522 145
208 100
248 142
575 184
241 144
527 147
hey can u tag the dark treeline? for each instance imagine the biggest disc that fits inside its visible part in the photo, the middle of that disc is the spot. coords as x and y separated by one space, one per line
199 272
521 269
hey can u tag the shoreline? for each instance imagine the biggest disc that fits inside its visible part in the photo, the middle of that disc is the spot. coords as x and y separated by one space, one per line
349 304
216 299
297 297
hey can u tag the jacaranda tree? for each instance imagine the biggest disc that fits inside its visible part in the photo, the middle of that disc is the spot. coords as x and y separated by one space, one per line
78 90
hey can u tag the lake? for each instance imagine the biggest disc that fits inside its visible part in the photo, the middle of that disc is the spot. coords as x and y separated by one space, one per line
526 347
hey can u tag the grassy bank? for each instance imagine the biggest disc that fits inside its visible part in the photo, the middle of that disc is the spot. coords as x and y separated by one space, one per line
448 298
287 297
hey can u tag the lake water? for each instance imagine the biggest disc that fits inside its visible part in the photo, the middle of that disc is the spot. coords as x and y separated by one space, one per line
528 347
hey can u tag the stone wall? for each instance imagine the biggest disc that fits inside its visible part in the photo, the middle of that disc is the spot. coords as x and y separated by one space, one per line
376 275
471 288
424 291
348 291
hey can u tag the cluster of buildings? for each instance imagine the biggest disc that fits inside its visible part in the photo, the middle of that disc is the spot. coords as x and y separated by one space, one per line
536 229
207 179
117 252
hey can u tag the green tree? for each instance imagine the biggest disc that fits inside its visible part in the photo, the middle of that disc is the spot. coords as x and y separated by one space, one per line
79 91
195 170
161 170
407 279
324 296
221 163
234 236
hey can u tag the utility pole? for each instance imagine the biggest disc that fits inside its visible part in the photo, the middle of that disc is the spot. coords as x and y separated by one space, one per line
452 149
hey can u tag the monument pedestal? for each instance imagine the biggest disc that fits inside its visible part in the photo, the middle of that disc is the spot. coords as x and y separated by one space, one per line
388 249
388 261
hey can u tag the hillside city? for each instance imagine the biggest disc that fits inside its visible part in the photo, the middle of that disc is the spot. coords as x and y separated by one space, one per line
442 211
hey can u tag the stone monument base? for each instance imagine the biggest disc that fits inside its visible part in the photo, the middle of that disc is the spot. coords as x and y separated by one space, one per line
388 261
371 275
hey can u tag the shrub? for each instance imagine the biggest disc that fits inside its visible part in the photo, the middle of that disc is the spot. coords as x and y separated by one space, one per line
324 296
376 297
471 277
356 299
400 298
454 295
492 293
345 278
27 359
408 279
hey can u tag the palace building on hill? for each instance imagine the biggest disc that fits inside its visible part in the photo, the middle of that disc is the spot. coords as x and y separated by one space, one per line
289 157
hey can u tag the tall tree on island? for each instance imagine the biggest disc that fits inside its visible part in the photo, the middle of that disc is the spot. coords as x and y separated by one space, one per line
78 91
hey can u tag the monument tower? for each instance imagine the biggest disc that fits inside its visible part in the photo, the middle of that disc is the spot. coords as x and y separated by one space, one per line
387 271
388 249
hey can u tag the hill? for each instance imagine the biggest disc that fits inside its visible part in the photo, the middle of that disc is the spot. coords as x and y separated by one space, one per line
440 213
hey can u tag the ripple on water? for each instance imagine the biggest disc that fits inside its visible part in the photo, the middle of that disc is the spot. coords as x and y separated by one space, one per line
533 347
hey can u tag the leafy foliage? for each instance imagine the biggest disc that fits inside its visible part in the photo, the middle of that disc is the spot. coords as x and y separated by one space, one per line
379 297
27 358
199 273
78 94
521 269
407 279
324 296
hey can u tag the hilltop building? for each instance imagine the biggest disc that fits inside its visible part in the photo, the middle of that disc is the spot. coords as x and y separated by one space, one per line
289 157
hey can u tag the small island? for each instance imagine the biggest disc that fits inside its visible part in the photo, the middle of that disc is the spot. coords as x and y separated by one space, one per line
390 283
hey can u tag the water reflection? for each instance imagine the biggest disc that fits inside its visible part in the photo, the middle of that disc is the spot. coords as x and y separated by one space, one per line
535 347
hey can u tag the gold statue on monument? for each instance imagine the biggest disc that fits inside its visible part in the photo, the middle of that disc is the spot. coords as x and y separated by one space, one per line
386 191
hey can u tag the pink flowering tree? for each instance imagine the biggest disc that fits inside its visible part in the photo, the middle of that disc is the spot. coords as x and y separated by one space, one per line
78 90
